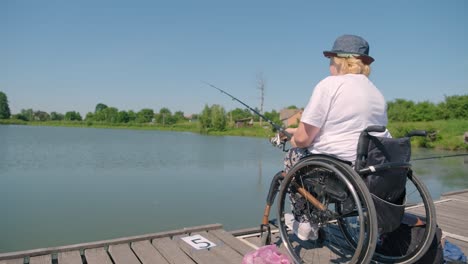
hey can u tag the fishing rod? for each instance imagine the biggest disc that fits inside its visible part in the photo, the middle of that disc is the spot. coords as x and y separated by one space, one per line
277 127
441 157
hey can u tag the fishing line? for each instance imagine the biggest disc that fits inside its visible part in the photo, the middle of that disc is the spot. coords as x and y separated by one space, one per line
441 157
277 127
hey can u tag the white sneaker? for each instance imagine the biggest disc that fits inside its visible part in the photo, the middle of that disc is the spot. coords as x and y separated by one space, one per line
304 231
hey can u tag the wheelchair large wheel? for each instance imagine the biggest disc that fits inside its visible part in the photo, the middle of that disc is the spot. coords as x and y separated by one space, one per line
342 197
407 244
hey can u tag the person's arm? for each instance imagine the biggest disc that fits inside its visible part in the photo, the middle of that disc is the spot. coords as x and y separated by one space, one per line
304 135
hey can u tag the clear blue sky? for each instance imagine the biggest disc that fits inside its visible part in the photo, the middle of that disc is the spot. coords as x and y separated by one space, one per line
70 55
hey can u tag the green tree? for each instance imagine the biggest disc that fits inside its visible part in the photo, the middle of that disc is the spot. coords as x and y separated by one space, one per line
204 119
112 114
218 118
28 114
89 117
145 115
122 117
400 110
100 116
239 113
4 107
273 116
20 117
41 116
165 117
179 116
54 116
100 107
131 116
424 111
107 114
72 116
455 107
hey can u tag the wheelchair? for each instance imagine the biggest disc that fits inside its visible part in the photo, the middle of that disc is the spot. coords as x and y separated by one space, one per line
357 208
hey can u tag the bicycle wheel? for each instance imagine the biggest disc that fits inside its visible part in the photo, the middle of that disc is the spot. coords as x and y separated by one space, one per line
401 246
342 196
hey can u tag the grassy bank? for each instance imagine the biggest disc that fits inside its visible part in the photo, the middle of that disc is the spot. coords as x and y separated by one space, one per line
445 134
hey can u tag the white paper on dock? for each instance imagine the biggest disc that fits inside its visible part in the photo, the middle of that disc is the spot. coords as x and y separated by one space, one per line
198 242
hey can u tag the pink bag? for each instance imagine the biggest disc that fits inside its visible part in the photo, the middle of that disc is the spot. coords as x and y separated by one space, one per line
266 255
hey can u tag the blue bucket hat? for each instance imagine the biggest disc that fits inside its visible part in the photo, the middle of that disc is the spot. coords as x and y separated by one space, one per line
350 45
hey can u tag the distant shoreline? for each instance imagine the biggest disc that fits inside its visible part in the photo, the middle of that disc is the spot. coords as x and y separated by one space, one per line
444 134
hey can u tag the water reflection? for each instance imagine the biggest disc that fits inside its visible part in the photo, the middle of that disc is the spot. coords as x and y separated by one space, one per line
441 174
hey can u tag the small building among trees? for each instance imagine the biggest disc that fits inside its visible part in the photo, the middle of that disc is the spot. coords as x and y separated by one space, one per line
244 122
290 117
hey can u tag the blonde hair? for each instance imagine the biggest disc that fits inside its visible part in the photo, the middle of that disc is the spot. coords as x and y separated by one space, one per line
351 65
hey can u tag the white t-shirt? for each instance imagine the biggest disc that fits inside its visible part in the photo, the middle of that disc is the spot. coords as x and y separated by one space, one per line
342 107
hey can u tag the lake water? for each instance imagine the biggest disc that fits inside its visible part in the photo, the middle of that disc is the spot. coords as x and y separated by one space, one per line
63 185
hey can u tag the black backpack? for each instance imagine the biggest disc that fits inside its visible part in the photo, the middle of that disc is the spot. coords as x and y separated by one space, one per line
388 186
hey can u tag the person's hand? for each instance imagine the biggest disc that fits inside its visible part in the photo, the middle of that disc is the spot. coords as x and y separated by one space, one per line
291 130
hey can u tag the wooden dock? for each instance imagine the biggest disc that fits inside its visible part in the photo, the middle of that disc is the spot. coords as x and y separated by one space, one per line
209 244
452 218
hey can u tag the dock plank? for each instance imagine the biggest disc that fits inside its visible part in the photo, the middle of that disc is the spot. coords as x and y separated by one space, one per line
232 241
451 217
461 195
147 253
171 252
69 257
12 261
97 256
122 254
453 204
444 215
44 259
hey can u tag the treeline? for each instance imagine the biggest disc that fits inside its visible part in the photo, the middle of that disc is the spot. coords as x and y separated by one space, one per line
216 118
399 110
453 107
105 114
211 118
31 115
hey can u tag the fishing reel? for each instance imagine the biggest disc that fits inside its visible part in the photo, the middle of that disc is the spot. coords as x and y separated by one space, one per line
279 141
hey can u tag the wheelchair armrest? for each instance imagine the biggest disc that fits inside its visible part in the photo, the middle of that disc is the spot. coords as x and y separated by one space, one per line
417 133
375 129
